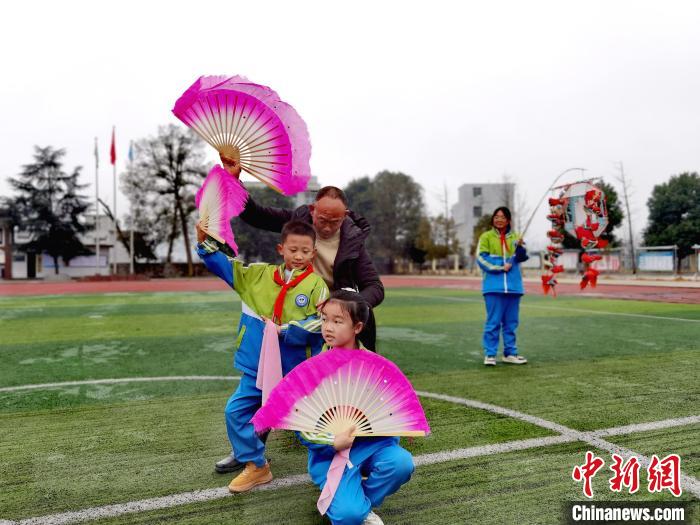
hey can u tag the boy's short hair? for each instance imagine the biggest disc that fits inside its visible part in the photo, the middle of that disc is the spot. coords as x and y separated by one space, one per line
298 228
333 193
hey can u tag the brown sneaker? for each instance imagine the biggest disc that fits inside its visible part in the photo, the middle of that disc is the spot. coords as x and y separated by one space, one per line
252 476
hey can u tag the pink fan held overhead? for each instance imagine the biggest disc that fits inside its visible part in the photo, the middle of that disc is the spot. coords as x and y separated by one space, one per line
249 123
220 198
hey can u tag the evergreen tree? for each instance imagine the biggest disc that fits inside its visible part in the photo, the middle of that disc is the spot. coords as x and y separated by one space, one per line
674 213
50 207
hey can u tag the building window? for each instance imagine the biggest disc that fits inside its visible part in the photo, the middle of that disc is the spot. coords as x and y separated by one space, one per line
476 191
477 212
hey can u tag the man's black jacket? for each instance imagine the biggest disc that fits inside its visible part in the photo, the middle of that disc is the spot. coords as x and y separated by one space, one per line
352 268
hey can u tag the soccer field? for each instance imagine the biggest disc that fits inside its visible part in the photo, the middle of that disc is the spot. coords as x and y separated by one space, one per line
604 375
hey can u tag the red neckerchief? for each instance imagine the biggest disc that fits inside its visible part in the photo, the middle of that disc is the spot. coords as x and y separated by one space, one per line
279 302
502 233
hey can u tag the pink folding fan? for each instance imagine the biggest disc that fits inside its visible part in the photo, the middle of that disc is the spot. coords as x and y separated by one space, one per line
342 388
339 389
220 198
249 123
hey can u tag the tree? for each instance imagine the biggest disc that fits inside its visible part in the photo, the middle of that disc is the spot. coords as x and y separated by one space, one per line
444 237
144 248
50 207
392 202
622 179
360 196
422 244
674 213
482 225
435 239
255 244
508 193
615 216
161 184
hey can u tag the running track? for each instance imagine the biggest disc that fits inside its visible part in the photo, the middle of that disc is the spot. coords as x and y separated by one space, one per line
671 292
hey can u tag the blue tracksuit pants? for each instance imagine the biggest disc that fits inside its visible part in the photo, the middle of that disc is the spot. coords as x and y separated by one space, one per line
241 407
386 465
502 314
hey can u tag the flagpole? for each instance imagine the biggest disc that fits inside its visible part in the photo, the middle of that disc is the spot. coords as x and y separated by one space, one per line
97 211
113 158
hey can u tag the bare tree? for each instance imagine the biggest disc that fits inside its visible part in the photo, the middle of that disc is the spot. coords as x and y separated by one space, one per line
508 192
515 199
622 179
161 183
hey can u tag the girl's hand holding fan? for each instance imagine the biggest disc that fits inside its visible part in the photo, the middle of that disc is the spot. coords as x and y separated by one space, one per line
345 393
345 439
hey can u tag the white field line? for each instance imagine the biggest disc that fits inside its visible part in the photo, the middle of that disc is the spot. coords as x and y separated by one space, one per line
558 308
689 483
622 314
566 435
116 382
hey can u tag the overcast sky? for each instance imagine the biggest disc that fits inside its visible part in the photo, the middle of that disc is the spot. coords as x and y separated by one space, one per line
447 92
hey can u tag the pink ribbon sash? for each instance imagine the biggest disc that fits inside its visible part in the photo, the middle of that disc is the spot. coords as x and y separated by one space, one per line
270 364
335 472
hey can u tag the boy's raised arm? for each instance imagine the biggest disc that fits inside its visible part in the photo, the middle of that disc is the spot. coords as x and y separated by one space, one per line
215 261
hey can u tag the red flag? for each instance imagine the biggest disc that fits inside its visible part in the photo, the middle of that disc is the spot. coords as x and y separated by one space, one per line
113 150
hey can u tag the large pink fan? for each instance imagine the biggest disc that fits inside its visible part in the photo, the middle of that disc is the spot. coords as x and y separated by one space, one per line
249 123
220 198
340 389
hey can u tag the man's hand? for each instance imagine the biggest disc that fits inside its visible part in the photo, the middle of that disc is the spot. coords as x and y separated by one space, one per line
231 165
201 235
344 439
507 267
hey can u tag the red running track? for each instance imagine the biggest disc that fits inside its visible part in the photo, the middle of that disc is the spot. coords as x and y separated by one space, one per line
671 294
638 292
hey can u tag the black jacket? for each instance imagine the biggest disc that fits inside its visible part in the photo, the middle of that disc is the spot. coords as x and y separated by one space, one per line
352 268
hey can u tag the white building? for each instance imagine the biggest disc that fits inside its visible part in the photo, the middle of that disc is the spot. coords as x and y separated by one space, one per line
29 266
475 201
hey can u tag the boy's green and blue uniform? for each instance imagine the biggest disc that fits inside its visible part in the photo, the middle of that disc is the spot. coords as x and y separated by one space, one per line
384 463
502 290
301 335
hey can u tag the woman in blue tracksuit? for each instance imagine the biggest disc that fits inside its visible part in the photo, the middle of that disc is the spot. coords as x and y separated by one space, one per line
499 255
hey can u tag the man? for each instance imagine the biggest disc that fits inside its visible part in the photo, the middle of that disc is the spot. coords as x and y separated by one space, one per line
341 257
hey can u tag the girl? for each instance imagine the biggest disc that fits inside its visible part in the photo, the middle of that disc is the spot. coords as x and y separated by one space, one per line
500 253
385 465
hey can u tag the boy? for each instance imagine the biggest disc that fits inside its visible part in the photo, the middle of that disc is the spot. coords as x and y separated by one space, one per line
287 294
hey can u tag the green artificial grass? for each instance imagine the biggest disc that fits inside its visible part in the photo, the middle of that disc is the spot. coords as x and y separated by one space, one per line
72 447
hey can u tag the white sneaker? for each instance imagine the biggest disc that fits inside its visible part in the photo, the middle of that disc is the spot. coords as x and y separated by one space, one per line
372 519
490 361
514 359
